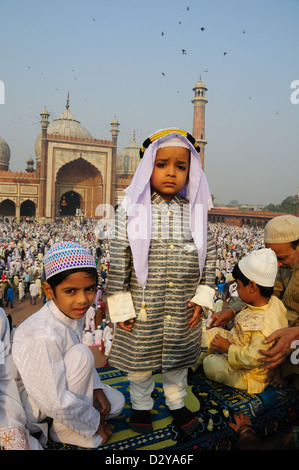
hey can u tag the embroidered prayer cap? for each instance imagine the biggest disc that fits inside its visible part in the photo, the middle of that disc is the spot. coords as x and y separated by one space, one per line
67 255
282 229
260 266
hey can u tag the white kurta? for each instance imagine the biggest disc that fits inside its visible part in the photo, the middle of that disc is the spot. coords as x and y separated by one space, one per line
40 346
13 432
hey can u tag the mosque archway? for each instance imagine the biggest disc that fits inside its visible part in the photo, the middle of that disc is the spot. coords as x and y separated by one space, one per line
79 185
27 209
70 202
7 208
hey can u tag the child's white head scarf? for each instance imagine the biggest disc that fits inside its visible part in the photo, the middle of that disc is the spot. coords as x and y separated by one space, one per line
196 191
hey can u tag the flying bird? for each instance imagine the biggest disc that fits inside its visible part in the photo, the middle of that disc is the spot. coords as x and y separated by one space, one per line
184 51
202 28
224 54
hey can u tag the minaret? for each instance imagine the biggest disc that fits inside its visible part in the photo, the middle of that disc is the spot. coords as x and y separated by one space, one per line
44 122
199 101
114 132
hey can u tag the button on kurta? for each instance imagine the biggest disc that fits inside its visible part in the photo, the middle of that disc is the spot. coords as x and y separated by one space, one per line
171 247
170 284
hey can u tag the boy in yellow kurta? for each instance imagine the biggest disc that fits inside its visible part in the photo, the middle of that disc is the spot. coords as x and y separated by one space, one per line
238 364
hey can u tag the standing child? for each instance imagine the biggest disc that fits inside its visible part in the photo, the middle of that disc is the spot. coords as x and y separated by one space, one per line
161 277
238 364
58 377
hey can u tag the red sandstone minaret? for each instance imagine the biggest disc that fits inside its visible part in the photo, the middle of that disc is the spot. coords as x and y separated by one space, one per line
199 102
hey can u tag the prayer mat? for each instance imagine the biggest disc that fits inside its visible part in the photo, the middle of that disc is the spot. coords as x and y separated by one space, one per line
271 411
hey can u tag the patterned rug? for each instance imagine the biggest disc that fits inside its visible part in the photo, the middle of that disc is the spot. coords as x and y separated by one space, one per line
270 412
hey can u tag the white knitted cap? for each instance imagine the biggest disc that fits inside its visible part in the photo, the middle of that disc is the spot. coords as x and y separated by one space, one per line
260 266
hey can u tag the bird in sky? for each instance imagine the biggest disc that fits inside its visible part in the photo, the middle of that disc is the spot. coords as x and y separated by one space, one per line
184 51
202 28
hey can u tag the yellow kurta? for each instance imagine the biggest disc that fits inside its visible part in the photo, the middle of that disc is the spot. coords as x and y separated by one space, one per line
240 368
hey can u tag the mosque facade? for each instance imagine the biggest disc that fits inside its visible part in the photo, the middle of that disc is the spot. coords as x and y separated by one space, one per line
74 174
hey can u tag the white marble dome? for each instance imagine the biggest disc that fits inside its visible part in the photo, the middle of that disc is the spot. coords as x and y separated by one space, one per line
65 125
128 159
4 154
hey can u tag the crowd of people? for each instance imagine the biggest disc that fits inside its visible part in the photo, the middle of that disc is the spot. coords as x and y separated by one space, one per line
22 249
24 246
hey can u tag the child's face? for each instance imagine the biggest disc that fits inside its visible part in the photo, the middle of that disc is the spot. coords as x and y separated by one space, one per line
74 295
170 172
243 292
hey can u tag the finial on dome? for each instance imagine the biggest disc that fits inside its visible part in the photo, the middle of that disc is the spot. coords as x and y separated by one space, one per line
68 101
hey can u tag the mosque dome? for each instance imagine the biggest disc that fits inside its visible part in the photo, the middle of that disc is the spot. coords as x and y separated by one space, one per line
65 125
128 159
4 154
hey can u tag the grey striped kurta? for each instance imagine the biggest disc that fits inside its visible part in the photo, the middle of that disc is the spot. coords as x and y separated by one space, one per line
165 340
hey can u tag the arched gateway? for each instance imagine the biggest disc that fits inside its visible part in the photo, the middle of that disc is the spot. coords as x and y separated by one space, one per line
79 185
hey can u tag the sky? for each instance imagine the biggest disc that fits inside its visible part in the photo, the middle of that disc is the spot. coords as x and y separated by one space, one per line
123 59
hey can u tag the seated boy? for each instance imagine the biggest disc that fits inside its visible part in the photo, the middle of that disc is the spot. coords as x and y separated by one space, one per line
238 364
58 377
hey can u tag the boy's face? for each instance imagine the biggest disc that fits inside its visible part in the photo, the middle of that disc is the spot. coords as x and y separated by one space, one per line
170 172
244 292
74 295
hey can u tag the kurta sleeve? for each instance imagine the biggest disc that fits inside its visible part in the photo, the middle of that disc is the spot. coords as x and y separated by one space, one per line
120 301
42 369
246 357
12 415
204 295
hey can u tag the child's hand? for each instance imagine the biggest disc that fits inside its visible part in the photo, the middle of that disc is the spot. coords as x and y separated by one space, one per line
104 430
102 403
220 344
196 314
127 325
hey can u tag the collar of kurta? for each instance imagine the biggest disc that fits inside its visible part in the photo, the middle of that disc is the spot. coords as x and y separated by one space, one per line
75 325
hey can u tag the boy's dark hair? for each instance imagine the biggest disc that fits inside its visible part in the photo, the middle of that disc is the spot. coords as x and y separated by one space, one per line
295 244
60 277
264 291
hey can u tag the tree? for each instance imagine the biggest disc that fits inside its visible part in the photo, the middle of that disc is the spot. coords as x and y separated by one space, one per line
288 205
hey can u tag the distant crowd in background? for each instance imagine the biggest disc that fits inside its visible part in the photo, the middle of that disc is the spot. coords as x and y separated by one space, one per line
232 244
23 246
